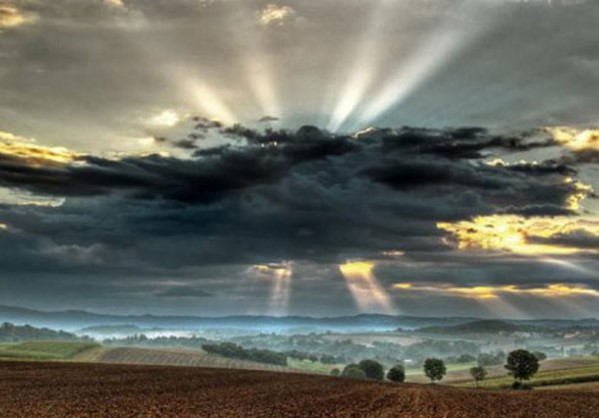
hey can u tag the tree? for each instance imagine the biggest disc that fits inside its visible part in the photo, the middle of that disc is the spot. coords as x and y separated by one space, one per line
372 369
434 369
353 371
335 372
478 374
522 365
396 374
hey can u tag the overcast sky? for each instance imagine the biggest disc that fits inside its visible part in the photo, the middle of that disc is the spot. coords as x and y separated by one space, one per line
431 157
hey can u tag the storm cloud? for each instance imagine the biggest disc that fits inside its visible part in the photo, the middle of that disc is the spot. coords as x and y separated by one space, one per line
157 154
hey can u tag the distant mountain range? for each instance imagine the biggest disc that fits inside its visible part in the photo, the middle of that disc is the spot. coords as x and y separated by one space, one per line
74 320
485 326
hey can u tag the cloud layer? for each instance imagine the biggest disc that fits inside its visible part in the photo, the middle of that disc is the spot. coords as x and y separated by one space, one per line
305 197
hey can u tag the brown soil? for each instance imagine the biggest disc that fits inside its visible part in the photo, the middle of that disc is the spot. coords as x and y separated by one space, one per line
67 390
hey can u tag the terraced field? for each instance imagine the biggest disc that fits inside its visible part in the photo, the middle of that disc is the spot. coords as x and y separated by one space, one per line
497 375
169 357
552 372
117 391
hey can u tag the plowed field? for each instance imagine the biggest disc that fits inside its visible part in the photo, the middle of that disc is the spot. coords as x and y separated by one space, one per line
69 390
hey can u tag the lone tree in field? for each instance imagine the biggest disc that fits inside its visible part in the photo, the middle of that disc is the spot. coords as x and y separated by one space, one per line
434 369
396 374
478 374
522 365
353 371
372 369
335 372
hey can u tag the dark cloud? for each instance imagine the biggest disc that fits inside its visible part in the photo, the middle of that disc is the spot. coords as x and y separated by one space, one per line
579 238
267 118
306 195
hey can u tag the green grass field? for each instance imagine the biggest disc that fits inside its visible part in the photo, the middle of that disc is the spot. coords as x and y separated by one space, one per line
44 350
556 373
317 367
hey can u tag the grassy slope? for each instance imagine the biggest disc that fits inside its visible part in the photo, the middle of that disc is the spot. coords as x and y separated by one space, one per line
552 372
45 350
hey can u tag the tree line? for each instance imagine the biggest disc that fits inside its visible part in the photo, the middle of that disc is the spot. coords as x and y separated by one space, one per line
520 364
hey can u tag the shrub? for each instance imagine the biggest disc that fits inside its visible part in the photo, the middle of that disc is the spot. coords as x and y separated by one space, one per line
353 371
372 369
396 374
335 372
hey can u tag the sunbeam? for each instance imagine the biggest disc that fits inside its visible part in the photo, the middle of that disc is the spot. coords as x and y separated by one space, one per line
204 99
364 70
255 58
365 288
435 51
570 265
280 288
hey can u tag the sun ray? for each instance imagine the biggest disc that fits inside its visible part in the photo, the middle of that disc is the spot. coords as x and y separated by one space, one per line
364 70
435 50
255 58
280 288
365 288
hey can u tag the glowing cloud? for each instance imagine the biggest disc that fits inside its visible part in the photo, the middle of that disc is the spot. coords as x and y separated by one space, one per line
517 234
273 14
35 155
580 192
555 290
365 288
12 17
115 3
576 140
166 118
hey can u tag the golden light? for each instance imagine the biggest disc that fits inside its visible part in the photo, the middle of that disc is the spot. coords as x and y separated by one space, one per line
554 290
207 101
516 234
115 3
3 227
12 17
365 288
166 118
576 139
580 192
274 14
36 155
403 286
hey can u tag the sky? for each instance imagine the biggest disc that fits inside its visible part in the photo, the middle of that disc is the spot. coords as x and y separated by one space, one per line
322 158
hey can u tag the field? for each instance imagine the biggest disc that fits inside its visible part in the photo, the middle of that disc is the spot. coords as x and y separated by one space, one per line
560 372
58 390
45 350
168 357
